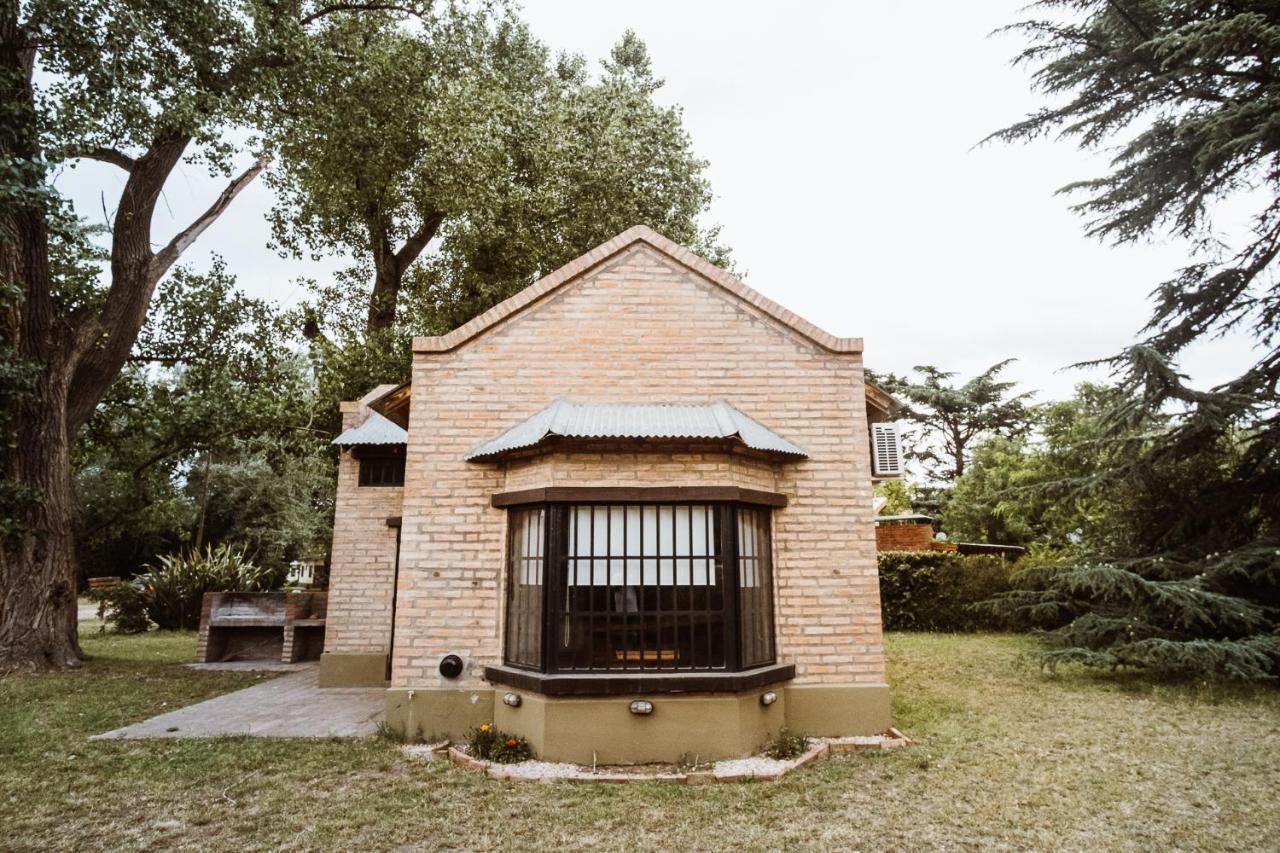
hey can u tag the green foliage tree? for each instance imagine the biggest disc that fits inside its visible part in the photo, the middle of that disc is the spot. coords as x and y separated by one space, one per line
897 494
951 418
139 85
464 137
1032 489
1191 583
205 437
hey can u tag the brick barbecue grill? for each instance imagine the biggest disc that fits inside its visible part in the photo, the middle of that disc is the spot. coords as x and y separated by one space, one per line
278 626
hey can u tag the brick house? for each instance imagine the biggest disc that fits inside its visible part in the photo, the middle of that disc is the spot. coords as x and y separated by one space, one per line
635 486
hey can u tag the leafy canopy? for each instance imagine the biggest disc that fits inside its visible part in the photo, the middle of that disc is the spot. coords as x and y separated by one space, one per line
460 161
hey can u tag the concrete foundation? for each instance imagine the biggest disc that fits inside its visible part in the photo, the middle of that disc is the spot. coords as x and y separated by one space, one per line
353 670
433 713
837 710
682 726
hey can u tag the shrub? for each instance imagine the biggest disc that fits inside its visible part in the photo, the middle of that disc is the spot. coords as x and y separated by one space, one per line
489 743
937 590
170 592
125 606
786 745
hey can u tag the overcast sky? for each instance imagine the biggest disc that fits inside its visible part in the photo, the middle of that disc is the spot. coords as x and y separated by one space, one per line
841 139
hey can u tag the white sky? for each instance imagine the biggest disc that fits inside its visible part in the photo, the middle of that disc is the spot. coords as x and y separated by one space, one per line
841 141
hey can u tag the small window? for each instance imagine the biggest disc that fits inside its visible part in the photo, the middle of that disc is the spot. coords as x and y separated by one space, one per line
382 470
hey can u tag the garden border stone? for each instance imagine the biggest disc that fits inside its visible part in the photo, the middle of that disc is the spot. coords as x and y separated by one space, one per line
824 748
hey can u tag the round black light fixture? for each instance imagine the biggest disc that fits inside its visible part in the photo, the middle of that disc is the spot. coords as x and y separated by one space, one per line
451 666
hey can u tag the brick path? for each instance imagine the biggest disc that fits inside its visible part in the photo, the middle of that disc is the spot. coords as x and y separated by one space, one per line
289 706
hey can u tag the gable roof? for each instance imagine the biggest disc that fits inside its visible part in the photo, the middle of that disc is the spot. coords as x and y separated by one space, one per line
636 234
642 420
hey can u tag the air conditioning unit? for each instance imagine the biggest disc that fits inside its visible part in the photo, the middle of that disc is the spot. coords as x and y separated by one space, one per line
886 450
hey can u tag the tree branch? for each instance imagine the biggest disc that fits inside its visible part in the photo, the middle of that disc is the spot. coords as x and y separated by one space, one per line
325 11
166 257
414 245
113 156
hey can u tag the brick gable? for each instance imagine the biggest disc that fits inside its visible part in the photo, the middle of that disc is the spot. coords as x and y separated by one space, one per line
634 322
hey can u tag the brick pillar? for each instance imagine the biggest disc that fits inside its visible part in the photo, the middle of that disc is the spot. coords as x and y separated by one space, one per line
202 642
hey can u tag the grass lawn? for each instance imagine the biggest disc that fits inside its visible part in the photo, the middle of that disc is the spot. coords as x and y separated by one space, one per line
1007 758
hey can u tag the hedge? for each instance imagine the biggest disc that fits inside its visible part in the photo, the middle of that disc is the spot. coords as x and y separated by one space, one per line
933 590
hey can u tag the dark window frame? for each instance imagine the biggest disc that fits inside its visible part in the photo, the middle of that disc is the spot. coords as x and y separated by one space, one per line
380 467
738 655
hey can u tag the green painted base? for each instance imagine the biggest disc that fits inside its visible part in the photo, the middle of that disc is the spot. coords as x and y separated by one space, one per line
682 727
692 727
836 710
434 713
348 670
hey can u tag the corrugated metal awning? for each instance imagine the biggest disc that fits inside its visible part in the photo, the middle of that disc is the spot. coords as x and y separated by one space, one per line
644 420
375 430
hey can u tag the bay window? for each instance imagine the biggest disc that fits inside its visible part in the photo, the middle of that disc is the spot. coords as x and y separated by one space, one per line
639 587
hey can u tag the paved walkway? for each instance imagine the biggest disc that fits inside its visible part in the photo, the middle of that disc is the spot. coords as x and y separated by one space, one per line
288 706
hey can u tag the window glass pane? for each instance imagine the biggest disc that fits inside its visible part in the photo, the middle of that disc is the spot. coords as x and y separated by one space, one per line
381 471
652 598
755 588
525 573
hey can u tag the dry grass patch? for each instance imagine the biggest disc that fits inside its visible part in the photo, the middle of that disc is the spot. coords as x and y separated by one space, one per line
1007 758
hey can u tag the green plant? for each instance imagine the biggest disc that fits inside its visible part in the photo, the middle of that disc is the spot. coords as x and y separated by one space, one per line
786 745
489 743
125 606
387 733
937 590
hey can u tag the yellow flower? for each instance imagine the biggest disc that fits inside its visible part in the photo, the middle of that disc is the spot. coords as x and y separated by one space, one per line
484 728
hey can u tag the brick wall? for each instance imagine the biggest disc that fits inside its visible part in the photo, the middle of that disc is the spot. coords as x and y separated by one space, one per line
904 537
639 327
362 561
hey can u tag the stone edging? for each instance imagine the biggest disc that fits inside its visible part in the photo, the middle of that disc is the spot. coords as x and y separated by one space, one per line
825 748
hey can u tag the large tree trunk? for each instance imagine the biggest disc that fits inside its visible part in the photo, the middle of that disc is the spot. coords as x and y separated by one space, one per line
37 561
38 613
74 358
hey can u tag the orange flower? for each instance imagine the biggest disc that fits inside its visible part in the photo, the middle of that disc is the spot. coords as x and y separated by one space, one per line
484 727
511 741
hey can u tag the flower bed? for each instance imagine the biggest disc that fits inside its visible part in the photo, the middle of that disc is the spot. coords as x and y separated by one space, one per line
755 768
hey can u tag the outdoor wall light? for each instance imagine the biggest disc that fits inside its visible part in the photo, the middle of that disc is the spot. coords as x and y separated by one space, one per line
451 666
768 699
642 707
511 700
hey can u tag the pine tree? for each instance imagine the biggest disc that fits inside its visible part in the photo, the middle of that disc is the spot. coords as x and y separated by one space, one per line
1191 92
950 418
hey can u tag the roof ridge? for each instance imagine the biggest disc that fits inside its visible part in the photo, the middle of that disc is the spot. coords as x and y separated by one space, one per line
635 234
